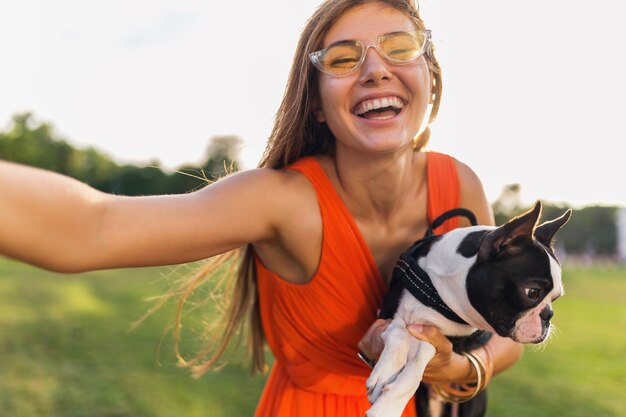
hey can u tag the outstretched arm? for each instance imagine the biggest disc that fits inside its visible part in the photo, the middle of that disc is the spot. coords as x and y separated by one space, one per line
61 224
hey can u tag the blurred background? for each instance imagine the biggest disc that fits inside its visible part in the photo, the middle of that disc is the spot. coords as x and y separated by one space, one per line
129 96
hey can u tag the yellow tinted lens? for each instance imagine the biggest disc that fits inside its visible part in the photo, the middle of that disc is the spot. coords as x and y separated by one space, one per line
341 58
403 47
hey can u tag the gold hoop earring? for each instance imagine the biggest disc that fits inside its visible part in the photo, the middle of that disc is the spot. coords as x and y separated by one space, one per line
422 139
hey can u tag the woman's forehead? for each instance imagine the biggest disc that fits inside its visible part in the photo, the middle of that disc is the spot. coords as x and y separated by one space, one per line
367 22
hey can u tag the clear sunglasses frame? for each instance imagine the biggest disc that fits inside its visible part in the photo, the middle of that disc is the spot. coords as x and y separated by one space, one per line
315 57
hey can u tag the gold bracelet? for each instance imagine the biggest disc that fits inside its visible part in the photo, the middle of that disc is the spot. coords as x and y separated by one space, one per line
369 362
487 362
464 392
480 369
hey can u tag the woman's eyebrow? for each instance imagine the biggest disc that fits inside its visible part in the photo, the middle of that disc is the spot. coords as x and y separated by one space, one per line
347 41
341 42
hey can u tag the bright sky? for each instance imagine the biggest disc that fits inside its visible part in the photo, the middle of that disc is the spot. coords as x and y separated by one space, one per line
533 91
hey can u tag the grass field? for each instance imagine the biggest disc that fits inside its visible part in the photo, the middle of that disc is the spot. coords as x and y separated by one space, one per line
65 351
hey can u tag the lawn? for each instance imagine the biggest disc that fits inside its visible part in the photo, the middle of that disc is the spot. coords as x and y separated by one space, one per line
67 351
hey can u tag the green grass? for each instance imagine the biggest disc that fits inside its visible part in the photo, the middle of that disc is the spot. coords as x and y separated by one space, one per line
582 370
65 351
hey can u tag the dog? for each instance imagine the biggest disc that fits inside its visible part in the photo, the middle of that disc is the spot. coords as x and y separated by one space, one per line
499 280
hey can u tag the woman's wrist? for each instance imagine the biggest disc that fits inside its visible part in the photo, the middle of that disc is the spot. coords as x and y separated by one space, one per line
467 387
458 369
461 369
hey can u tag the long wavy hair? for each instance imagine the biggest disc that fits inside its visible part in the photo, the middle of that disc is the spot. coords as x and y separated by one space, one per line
296 134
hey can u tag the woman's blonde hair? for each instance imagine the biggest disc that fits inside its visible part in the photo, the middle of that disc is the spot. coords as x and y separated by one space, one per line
296 134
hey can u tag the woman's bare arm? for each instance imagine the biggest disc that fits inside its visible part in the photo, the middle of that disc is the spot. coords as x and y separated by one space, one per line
61 224
473 196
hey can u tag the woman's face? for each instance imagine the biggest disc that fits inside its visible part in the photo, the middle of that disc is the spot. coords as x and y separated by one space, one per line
344 99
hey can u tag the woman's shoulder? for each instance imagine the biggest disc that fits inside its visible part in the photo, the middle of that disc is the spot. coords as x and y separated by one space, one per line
286 187
279 193
274 180
468 179
472 193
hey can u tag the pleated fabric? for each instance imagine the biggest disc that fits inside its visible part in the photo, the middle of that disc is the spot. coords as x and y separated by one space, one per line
313 329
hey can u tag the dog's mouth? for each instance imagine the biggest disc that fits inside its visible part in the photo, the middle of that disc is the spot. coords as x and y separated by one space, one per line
527 336
545 334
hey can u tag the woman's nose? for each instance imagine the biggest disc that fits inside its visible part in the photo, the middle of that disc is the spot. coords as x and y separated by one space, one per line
374 68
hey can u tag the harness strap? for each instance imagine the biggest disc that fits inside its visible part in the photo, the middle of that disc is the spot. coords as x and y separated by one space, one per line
459 211
412 277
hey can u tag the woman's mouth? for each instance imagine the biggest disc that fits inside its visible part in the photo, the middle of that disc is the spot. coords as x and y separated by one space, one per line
383 108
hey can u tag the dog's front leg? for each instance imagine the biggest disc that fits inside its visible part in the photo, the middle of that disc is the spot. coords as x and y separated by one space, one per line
392 359
396 394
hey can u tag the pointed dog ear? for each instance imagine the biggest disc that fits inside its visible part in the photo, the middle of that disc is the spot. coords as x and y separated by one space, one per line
504 236
545 232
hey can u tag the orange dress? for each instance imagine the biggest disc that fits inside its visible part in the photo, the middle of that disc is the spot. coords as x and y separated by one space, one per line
313 329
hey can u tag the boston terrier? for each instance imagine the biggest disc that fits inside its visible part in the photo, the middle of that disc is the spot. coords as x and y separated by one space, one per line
482 278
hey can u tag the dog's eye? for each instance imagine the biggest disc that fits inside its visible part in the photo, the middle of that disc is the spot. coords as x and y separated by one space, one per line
533 293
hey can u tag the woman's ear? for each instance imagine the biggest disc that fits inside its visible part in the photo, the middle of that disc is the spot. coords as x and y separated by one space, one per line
319 115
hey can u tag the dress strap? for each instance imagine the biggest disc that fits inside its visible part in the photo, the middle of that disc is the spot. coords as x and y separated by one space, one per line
444 190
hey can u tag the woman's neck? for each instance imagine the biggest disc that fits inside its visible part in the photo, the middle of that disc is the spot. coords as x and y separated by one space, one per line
374 186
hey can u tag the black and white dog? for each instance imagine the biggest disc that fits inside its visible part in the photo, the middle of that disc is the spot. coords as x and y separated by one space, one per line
498 279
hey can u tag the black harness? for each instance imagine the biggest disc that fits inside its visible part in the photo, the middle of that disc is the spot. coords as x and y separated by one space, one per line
407 273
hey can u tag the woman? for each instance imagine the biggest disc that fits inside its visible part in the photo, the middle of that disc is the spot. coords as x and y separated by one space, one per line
343 189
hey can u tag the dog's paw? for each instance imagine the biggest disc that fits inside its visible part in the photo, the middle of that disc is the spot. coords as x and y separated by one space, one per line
391 362
388 405
384 374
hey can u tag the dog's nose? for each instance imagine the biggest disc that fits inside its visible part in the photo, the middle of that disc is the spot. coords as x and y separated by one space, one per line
546 314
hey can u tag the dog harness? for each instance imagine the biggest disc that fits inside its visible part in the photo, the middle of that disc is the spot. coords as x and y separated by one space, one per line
407 273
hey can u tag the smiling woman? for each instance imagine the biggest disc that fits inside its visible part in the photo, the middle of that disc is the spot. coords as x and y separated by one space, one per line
344 187
411 85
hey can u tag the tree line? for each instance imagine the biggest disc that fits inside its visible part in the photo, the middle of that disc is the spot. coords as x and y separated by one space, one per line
35 143
592 230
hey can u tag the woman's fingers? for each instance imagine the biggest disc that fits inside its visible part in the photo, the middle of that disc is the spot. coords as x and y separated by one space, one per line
432 335
444 366
372 343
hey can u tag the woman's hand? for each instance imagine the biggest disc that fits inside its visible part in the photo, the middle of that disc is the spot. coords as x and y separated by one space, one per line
371 345
446 366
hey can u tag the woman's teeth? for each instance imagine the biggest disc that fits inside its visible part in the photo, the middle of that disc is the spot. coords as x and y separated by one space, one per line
379 108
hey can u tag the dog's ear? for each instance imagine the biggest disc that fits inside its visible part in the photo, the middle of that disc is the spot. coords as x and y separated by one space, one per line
509 235
545 232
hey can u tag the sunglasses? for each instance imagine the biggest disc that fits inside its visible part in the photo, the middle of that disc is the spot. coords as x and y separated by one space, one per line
345 57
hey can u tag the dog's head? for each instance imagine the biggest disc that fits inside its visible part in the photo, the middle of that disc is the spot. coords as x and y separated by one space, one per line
517 276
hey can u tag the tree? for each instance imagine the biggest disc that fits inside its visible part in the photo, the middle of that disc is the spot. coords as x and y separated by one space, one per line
508 204
220 159
34 143
221 156
591 230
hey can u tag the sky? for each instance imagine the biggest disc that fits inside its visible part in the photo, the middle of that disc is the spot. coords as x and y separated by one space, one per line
533 91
